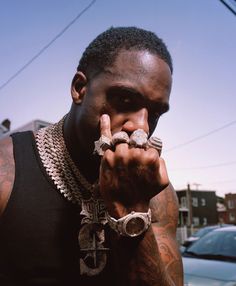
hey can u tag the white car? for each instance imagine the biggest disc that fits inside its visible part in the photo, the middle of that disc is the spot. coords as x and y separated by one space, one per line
201 232
211 260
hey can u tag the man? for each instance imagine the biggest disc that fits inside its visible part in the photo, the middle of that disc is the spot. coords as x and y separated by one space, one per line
87 201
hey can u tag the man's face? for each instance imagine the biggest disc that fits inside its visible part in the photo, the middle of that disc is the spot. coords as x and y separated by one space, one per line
134 92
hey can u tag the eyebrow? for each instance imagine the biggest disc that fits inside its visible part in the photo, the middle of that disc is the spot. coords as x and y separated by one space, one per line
162 106
121 90
125 89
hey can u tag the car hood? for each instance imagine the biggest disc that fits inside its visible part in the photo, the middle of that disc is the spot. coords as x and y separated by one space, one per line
192 238
208 272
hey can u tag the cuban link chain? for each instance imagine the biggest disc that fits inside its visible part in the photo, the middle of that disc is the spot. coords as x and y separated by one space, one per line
74 187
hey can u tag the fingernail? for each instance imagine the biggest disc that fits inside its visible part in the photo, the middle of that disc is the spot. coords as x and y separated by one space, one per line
104 117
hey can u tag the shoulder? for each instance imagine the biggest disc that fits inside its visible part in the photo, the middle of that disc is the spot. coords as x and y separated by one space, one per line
165 209
7 171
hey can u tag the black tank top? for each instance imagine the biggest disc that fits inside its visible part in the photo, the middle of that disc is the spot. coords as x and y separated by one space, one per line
39 228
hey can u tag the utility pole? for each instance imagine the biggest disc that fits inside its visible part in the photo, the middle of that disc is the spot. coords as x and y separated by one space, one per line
190 209
197 186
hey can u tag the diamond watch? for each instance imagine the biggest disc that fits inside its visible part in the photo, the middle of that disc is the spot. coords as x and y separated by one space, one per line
131 225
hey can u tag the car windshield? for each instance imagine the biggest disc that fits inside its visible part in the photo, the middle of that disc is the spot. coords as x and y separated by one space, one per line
220 245
201 232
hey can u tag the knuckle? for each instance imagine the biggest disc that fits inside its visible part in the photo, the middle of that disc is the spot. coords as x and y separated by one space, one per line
107 158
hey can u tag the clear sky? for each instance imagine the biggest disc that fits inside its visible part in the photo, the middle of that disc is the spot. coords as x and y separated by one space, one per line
201 36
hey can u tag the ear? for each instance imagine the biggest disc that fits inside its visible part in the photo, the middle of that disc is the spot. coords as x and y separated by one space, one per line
78 87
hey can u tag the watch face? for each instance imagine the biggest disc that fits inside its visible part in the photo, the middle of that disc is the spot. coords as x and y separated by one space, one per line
135 226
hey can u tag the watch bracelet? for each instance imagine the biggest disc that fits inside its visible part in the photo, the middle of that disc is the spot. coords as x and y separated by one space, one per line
117 224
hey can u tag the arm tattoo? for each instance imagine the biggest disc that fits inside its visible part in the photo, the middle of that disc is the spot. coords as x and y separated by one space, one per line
7 172
153 259
165 219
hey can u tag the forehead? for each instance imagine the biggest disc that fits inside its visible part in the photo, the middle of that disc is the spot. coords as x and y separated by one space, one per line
139 61
140 69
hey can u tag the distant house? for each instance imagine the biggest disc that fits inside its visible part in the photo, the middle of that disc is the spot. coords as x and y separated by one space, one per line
197 207
222 210
33 125
230 203
4 126
3 130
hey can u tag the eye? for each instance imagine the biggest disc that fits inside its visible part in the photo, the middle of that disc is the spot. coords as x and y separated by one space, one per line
125 103
126 99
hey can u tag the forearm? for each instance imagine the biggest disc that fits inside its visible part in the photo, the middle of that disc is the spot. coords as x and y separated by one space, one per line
131 180
137 261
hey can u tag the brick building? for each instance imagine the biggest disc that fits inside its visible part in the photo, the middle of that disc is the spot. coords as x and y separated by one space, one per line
197 207
33 125
230 203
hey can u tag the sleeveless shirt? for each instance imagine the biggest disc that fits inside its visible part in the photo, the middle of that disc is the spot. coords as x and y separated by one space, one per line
39 228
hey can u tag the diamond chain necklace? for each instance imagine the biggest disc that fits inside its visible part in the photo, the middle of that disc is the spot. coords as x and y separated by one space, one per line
71 183
59 165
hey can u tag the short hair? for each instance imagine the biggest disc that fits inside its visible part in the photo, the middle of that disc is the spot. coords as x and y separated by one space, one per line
102 51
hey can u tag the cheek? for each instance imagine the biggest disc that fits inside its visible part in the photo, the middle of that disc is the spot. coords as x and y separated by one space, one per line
93 108
106 108
117 121
91 114
89 119
152 125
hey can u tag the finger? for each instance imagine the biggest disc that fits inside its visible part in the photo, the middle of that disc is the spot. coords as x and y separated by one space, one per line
105 125
108 159
121 154
164 182
151 154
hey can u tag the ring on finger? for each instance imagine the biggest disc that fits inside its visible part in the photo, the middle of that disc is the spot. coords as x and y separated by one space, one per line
156 143
101 145
120 137
138 138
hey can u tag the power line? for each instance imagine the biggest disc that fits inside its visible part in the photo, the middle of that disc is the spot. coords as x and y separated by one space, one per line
231 5
201 136
47 45
209 183
220 182
205 167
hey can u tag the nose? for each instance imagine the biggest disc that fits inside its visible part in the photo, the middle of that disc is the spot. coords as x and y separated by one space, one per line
136 120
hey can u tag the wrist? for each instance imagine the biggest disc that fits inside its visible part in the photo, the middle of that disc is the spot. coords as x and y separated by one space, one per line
131 225
119 210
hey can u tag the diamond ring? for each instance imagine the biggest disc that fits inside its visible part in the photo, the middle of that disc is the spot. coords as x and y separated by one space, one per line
156 143
120 137
101 145
138 138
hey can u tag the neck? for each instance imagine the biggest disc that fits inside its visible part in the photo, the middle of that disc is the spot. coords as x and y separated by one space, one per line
82 155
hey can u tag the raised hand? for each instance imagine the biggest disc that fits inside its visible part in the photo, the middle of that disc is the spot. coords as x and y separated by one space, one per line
129 176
